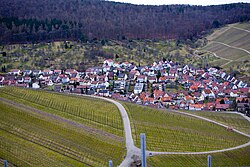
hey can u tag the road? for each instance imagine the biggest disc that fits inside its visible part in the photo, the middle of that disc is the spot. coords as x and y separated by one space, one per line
205 152
133 150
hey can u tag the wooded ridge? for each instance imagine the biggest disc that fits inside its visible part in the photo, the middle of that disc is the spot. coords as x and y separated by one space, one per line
49 20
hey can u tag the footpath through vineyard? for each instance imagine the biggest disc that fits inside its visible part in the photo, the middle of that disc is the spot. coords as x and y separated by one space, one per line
132 150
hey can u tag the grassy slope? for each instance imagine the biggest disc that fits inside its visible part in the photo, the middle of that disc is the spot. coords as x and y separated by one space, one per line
234 158
233 37
55 55
30 139
167 131
101 115
233 120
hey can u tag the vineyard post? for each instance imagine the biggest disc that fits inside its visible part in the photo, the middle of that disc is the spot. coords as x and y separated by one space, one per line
143 149
5 163
209 161
110 163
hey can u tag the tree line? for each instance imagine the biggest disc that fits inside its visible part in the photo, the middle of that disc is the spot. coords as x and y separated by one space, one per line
48 20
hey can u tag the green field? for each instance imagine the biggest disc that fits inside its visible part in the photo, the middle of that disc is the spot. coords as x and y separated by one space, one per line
233 120
43 129
167 131
233 158
226 52
29 138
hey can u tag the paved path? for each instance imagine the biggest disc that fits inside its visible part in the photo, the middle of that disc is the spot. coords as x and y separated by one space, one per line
240 29
205 152
133 150
231 46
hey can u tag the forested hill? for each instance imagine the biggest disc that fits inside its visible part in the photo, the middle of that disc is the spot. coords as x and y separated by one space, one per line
48 20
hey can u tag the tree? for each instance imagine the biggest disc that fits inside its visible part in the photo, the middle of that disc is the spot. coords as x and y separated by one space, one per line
158 74
222 101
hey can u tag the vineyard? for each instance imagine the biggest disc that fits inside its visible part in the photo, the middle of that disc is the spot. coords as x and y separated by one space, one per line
167 131
232 120
95 113
32 139
234 158
42 128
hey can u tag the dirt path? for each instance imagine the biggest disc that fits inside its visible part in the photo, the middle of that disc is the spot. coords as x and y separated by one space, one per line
57 118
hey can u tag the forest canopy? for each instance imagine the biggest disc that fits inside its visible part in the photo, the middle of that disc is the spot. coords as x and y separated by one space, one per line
50 20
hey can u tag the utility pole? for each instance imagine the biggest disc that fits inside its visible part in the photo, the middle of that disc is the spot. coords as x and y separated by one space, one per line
209 161
5 163
110 163
143 149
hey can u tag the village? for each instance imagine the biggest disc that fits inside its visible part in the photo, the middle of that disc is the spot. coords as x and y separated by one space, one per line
165 84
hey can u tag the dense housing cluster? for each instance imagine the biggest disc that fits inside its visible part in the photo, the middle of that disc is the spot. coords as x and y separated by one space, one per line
163 84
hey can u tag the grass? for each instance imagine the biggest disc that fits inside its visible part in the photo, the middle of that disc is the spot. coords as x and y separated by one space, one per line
236 38
225 52
233 120
243 26
233 158
167 131
100 114
31 139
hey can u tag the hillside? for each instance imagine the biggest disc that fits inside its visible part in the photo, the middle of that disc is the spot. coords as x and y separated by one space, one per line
231 46
63 55
44 128
85 20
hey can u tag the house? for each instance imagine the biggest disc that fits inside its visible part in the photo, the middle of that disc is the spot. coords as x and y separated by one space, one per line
108 62
148 100
138 88
27 72
119 86
210 106
47 72
152 79
57 72
142 79
20 80
171 78
37 72
104 92
15 72
207 93
243 107
221 107
1 79
133 74
158 94
196 107
167 101
162 79
122 77
64 78
72 73
35 85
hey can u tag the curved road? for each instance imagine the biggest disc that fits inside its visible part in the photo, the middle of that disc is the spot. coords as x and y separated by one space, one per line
133 150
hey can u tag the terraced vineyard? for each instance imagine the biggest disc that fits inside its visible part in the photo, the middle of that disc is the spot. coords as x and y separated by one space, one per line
234 158
29 138
232 45
167 131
